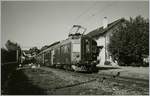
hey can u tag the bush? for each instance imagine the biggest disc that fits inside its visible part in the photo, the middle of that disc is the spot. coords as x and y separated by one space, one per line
129 44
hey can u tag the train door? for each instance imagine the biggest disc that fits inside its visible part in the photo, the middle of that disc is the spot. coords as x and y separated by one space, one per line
47 58
85 49
65 54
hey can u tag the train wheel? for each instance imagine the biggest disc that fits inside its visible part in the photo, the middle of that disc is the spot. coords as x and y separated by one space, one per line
71 68
65 67
74 68
93 69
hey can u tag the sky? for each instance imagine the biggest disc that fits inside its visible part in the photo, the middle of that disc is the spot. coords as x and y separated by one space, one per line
39 23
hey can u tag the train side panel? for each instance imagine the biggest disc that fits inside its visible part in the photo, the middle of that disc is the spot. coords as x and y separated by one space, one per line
56 56
65 54
60 55
47 58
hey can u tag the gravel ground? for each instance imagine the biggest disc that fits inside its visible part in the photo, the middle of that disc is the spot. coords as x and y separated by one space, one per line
61 82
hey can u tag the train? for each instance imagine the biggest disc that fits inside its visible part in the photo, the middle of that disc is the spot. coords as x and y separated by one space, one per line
77 53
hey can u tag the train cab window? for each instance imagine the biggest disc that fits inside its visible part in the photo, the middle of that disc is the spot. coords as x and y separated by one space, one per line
87 42
87 46
58 51
65 49
87 49
94 49
76 47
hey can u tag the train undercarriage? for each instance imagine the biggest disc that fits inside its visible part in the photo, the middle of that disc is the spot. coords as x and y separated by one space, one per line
77 68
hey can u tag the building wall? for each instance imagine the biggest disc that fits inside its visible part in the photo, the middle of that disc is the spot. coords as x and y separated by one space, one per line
104 55
101 57
108 55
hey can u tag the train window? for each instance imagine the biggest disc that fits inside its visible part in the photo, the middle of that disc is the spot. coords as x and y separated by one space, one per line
65 49
61 49
68 49
87 42
58 51
76 47
87 48
94 49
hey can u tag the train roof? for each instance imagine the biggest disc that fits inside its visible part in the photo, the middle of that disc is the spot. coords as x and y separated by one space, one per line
62 42
54 44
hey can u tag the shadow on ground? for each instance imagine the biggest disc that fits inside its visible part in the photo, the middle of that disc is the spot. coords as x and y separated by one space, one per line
19 84
107 68
96 70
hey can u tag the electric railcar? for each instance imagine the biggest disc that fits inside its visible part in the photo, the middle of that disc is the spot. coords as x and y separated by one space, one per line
79 53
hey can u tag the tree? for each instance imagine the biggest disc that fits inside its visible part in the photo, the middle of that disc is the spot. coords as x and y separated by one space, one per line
11 46
130 44
34 50
13 52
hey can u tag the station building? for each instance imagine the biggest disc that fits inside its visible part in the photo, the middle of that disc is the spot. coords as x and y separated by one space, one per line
102 36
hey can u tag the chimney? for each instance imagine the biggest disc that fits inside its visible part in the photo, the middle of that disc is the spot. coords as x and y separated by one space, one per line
105 22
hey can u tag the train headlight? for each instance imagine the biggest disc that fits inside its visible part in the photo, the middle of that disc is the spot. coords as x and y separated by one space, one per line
77 56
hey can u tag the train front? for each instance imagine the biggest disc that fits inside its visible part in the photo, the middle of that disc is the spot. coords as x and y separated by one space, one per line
89 53
85 52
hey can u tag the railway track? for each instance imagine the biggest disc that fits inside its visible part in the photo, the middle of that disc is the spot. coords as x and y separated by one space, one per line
97 78
72 85
63 82
102 76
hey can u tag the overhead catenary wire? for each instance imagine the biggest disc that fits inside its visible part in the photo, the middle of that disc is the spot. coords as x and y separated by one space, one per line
80 15
86 11
87 20
105 8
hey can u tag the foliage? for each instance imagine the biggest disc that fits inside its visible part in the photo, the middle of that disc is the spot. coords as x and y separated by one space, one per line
34 50
130 44
11 46
9 54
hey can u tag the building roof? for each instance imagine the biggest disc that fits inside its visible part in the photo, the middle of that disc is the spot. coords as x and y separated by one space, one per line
101 31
